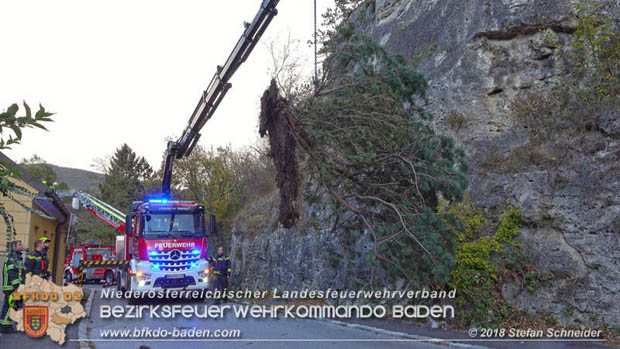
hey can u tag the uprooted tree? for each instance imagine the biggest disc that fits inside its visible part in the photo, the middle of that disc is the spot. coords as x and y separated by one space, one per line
372 147
273 119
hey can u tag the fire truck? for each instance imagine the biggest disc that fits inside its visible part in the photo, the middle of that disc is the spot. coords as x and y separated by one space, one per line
165 241
166 245
90 252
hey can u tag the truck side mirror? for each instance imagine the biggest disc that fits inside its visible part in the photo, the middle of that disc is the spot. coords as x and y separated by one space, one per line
128 220
212 225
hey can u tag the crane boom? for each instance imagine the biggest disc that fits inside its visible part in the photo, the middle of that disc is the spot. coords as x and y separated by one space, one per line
216 90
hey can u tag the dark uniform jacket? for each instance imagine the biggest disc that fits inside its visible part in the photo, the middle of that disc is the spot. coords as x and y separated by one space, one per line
220 265
12 272
37 264
45 256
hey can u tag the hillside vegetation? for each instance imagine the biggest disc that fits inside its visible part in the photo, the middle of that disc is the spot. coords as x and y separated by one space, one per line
78 179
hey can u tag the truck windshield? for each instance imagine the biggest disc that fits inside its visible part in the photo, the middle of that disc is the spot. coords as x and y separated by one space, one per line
171 223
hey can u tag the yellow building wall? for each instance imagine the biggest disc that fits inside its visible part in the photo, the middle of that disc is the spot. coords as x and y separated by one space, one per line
41 227
31 227
21 217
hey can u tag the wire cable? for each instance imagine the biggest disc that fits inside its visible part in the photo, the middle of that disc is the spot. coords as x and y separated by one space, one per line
316 70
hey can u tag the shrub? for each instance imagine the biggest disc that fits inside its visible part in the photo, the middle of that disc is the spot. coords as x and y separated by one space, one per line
590 87
482 259
597 49
456 120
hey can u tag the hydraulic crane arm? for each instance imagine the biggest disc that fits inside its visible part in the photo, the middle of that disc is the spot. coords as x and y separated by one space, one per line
215 92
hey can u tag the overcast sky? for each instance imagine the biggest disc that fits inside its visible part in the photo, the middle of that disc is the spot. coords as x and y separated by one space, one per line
132 71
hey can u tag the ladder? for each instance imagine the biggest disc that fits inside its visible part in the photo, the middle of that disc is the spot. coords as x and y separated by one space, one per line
107 213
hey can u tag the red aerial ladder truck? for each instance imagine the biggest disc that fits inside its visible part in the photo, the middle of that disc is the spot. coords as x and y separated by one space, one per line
90 252
165 241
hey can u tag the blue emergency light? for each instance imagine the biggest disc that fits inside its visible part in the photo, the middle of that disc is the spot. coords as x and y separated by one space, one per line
158 201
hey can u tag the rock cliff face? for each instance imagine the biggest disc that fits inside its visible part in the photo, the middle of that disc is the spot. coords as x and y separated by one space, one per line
478 55
318 253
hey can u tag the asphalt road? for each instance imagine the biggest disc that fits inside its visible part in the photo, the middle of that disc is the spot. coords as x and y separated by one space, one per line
254 333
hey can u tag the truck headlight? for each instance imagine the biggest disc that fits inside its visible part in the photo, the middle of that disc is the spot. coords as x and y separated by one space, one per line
207 271
142 275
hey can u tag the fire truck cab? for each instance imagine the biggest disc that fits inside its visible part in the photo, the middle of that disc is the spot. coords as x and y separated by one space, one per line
166 245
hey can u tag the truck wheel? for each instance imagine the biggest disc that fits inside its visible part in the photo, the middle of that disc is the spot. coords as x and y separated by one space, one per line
68 277
109 276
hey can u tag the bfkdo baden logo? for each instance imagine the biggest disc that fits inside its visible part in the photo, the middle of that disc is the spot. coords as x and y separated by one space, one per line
47 308
36 319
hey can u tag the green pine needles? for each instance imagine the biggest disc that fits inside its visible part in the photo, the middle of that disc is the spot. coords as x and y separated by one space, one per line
376 152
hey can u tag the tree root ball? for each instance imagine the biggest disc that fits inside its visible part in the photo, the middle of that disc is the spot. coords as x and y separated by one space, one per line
273 122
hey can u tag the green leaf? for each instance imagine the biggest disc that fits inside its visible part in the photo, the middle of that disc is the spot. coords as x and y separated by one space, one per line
13 110
42 114
17 130
35 124
28 111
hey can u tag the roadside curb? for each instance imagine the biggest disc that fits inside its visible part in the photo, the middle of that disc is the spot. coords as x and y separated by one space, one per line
430 340
82 332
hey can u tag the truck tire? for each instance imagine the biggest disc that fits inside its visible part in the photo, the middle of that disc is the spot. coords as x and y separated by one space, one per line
68 277
109 276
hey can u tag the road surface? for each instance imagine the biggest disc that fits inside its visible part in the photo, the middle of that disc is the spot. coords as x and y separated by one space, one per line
97 332
253 333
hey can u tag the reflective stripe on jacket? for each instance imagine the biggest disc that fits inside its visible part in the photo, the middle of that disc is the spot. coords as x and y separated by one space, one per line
36 263
12 272
221 265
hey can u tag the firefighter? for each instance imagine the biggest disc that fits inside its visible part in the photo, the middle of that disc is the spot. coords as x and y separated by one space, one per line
46 245
12 277
221 268
36 261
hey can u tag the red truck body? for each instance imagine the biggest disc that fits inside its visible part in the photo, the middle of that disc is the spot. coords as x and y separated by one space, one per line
90 252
